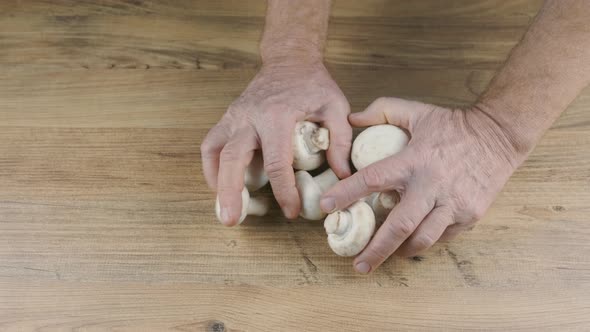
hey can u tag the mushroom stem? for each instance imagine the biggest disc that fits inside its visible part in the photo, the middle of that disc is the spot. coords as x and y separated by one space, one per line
309 143
255 176
387 200
319 140
258 206
326 179
382 203
311 189
337 223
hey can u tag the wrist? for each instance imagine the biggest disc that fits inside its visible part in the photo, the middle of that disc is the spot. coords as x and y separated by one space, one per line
290 50
521 138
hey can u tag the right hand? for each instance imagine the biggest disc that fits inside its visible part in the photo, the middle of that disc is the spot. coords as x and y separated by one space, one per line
455 164
264 116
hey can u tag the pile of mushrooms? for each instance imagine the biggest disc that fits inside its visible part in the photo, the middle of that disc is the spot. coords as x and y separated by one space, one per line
309 144
348 230
351 229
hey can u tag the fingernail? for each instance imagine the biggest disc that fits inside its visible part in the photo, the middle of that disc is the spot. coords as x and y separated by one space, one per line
346 169
225 216
289 214
362 267
328 204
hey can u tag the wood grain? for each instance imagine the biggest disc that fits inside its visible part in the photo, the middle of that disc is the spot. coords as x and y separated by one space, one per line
148 34
106 223
186 307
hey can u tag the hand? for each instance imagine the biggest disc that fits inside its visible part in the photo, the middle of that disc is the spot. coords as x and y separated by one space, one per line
455 164
264 116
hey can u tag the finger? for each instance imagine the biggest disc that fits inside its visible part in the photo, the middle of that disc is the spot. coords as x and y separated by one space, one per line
338 152
210 149
234 158
453 231
428 232
276 140
400 224
395 111
388 174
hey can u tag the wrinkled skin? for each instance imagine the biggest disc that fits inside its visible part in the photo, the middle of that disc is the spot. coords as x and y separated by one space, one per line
455 164
264 116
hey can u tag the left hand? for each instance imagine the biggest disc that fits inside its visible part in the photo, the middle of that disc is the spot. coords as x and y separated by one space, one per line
284 91
455 164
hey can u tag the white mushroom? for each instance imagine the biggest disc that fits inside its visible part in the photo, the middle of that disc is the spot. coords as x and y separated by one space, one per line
309 143
255 177
350 230
376 143
310 189
254 206
382 203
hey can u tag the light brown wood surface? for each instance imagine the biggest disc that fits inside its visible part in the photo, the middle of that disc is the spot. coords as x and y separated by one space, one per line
106 223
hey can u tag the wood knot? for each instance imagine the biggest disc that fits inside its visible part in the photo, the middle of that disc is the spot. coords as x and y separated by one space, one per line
216 326
558 208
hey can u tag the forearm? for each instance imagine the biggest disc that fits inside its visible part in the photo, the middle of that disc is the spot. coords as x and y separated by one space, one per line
295 30
543 75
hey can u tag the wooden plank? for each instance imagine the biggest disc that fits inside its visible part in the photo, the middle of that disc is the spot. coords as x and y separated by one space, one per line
256 8
197 99
130 204
151 35
130 307
106 222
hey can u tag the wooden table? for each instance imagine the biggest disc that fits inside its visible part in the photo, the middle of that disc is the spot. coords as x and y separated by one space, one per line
106 223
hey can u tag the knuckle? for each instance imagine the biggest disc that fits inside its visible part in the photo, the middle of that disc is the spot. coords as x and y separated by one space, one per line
276 167
473 211
478 211
381 101
342 105
341 144
423 241
371 178
378 252
230 154
206 147
404 227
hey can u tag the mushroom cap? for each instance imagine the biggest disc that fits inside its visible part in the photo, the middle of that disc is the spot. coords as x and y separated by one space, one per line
306 155
350 230
255 177
309 193
245 203
376 143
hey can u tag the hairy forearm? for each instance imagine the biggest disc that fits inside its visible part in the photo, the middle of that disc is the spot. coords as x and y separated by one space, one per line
295 30
543 75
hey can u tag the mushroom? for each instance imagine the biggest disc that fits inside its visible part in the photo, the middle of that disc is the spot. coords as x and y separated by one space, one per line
350 230
382 203
255 206
309 143
376 143
310 189
255 177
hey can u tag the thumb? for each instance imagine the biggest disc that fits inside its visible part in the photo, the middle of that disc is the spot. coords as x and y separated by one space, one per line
389 110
